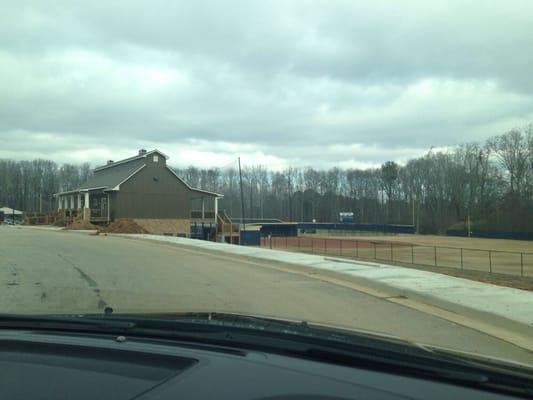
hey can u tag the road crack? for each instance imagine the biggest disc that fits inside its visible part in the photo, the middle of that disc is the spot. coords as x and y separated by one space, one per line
91 283
15 278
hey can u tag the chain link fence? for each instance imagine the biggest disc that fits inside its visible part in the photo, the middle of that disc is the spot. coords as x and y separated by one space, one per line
492 261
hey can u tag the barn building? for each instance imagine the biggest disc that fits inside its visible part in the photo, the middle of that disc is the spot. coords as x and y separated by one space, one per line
145 189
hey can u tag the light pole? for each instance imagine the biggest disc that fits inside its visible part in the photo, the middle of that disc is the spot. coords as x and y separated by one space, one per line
242 198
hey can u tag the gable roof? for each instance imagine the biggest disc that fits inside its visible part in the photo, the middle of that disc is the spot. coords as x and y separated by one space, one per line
111 176
127 160
194 189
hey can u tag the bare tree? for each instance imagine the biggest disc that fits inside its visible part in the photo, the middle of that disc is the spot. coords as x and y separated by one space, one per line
389 177
511 150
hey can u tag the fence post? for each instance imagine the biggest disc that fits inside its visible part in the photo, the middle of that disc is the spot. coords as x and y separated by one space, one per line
462 259
435 251
391 255
286 240
490 261
375 257
412 253
521 264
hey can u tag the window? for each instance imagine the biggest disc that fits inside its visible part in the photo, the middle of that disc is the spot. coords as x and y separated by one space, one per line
156 158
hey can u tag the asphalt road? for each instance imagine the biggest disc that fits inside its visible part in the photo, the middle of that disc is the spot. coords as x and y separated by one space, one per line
65 272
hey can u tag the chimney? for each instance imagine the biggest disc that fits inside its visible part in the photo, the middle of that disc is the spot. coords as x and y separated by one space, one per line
109 162
142 152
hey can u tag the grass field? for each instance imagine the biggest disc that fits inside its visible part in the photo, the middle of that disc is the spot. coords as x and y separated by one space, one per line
510 257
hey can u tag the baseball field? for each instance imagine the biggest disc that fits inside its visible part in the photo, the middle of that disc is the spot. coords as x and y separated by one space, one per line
499 256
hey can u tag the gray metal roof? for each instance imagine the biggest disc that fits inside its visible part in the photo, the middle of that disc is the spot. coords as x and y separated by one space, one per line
110 177
126 160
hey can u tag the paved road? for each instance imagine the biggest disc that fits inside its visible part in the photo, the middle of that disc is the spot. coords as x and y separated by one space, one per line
64 272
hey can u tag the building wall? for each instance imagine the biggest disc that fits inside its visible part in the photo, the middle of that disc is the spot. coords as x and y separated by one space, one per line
153 193
165 226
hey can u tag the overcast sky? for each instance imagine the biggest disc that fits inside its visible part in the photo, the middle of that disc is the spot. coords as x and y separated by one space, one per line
320 83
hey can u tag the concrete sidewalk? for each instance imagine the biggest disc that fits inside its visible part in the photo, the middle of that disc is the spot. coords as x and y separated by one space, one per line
38 227
447 292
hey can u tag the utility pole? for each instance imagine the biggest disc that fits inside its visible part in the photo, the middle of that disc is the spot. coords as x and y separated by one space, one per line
231 194
251 200
242 198
413 211
289 189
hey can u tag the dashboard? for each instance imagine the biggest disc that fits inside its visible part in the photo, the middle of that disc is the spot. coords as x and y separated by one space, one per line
46 365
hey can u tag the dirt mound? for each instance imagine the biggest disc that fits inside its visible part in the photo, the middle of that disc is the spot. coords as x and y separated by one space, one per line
81 225
124 226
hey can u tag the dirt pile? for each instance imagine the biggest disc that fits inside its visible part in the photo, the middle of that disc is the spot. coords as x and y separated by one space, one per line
124 226
81 225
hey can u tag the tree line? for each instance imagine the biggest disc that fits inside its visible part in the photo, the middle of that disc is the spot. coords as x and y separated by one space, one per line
490 184
30 185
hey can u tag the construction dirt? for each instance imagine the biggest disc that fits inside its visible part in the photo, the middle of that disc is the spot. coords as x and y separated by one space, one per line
81 225
124 226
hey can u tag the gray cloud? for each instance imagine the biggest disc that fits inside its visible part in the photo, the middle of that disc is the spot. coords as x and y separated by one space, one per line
292 82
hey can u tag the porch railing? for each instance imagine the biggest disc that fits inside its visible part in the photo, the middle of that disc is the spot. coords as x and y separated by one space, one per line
98 213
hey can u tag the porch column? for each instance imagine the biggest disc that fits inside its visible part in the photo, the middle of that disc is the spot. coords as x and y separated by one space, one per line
79 201
86 208
72 202
86 200
203 208
216 210
59 203
108 209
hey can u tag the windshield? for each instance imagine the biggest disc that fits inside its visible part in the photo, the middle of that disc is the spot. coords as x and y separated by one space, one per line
362 165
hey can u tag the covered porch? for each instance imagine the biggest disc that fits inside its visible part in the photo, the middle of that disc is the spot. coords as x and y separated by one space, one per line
90 205
203 214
